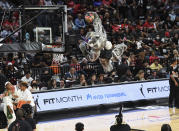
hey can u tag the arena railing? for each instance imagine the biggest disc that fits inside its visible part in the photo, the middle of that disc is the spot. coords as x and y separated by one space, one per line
62 70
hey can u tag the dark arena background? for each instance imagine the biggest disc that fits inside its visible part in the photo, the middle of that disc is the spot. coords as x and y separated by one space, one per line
49 47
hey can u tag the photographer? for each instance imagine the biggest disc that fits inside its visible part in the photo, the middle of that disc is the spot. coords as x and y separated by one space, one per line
79 126
119 126
28 115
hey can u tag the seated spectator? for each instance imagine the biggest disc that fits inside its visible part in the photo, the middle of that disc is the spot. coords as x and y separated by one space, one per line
83 63
79 22
44 78
75 64
83 80
126 77
4 4
97 3
53 84
36 61
175 39
155 65
152 57
132 60
113 77
6 30
92 80
48 2
62 83
34 86
10 72
107 2
176 54
122 68
153 75
27 78
71 75
79 126
140 76
28 115
55 68
157 41
70 24
20 123
166 127
101 79
25 96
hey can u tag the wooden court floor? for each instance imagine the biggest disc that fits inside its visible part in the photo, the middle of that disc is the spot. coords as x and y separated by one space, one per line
144 118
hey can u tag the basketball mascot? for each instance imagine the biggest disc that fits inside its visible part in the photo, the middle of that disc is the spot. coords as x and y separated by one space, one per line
96 46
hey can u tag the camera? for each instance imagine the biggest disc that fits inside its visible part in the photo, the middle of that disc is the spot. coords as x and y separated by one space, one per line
119 117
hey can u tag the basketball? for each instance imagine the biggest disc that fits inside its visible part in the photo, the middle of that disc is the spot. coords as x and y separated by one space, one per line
89 17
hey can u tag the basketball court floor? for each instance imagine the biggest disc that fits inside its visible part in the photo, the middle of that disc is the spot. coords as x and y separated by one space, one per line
148 118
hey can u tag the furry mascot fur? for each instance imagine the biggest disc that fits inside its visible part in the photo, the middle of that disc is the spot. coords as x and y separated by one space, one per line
96 46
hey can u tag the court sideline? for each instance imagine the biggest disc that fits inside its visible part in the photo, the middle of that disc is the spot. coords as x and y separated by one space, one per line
148 118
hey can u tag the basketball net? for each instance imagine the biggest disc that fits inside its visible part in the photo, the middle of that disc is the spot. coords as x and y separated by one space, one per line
56 59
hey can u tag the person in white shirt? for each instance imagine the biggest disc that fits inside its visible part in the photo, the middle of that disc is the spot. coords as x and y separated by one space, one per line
26 95
27 78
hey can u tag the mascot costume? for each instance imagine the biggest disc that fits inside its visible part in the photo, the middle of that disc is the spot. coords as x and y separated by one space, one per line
96 46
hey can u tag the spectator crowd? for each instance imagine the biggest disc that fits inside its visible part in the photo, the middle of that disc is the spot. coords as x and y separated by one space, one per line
148 27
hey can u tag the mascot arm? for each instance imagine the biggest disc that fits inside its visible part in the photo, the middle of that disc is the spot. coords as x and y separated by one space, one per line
98 27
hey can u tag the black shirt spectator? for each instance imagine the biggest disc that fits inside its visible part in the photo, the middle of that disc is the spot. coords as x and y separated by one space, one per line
3 120
20 124
153 75
101 79
127 76
122 127
28 115
31 122
82 80
121 70
3 79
